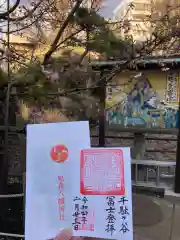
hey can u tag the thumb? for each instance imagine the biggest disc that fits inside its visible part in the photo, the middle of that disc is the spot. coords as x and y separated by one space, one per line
66 234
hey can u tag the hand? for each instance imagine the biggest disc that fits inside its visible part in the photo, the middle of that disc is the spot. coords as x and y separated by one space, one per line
66 234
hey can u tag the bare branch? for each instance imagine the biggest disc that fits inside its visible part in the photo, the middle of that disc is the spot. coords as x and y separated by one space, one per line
26 15
4 15
61 30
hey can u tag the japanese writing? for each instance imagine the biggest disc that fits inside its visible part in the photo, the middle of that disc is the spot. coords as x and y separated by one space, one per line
83 217
123 212
172 88
109 93
61 197
76 214
110 217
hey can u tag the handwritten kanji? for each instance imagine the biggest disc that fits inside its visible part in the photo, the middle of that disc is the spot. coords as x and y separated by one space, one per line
110 229
124 227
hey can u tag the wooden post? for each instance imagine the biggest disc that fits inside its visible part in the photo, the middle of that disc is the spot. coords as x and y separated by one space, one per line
2 109
102 105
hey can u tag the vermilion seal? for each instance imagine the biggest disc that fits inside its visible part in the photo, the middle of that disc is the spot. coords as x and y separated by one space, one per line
59 153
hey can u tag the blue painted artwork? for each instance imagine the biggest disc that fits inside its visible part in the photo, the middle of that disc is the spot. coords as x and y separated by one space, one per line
143 108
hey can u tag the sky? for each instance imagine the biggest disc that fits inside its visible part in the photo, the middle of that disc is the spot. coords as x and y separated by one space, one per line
106 11
109 7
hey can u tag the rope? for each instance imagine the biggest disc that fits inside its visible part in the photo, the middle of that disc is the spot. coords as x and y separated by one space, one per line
12 195
11 235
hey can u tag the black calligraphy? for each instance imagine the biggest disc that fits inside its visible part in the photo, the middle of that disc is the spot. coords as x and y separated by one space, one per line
171 89
84 211
83 220
124 213
110 217
76 215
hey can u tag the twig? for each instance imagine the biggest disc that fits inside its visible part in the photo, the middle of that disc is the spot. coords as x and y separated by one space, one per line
5 15
60 32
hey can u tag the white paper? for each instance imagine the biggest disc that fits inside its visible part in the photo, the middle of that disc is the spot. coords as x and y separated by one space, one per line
43 187
109 215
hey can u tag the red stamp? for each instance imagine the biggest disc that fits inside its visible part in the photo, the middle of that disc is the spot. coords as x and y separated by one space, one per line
102 172
59 153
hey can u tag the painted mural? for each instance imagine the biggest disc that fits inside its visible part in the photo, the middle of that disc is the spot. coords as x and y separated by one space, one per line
144 99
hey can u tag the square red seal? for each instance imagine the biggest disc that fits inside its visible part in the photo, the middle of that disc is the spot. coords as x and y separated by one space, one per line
102 172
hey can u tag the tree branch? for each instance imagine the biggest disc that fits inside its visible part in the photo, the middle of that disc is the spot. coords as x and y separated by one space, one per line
29 13
61 30
12 9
